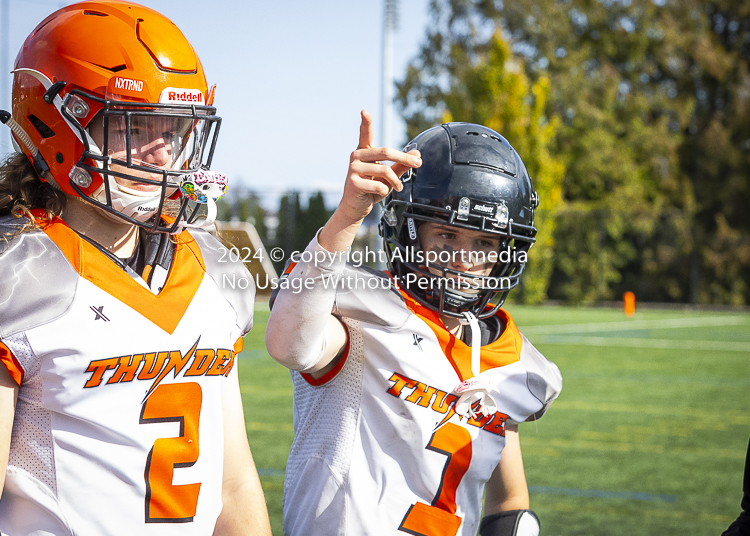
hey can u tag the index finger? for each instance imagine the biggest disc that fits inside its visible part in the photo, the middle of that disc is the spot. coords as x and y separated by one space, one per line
365 131
412 159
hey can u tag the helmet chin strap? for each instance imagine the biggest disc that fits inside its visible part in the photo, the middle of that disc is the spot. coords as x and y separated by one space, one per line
208 221
141 205
476 340
133 203
474 399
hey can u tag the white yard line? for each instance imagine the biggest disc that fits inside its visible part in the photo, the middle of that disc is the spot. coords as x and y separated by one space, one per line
669 344
693 322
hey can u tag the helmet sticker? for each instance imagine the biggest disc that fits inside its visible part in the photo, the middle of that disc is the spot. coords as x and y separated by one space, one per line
484 209
203 184
119 87
128 84
174 95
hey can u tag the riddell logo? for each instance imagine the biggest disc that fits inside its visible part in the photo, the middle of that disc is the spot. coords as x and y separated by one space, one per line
145 209
128 84
173 95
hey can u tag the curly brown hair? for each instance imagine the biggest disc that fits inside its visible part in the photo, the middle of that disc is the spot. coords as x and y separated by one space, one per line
22 190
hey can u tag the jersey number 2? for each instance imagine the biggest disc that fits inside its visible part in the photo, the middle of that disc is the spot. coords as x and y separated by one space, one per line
165 502
439 518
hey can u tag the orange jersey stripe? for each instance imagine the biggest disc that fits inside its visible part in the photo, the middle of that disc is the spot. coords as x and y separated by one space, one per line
289 268
504 351
165 309
11 363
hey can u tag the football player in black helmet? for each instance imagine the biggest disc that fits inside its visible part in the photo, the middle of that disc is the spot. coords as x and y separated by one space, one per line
409 385
471 179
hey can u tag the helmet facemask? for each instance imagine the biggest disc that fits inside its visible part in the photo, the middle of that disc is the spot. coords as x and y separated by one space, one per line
446 290
144 153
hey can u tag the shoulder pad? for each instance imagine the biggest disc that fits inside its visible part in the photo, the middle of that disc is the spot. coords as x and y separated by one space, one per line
370 296
38 282
221 270
543 378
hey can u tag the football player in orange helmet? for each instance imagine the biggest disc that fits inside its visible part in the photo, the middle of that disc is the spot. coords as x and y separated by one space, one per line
111 290
118 116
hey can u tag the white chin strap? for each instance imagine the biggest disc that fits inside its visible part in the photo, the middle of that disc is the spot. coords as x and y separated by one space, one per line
132 203
142 205
474 393
204 223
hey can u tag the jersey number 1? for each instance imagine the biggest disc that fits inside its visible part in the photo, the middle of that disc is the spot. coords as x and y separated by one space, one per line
165 502
440 519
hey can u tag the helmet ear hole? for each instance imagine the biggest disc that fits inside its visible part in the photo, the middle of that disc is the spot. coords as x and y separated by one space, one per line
41 127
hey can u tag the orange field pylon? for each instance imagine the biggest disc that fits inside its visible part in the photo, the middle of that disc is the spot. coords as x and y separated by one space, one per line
629 303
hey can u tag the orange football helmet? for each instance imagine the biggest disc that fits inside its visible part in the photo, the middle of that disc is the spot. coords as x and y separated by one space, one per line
113 107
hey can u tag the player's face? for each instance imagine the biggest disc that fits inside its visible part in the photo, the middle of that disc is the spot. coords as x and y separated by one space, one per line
154 142
462 250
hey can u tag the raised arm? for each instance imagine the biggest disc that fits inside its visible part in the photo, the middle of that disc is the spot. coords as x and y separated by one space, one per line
302 334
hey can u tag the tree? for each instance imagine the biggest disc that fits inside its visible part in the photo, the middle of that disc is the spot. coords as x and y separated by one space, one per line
287 235
297 226
259 221
653 96
316 215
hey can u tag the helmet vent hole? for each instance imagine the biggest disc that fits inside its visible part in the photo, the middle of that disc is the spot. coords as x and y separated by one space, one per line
44 131
95 13
115 69
472 133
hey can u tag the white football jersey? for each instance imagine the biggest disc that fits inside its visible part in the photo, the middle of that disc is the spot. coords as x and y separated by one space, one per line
378 448
118 427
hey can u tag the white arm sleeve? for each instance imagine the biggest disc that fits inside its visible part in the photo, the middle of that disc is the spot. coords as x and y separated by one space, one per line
295 335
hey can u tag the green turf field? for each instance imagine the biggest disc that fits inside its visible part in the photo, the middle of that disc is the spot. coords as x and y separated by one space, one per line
648 437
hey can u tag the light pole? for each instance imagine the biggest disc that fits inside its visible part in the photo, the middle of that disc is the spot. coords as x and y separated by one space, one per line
390 22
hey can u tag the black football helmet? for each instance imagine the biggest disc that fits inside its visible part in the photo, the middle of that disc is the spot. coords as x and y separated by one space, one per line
471 178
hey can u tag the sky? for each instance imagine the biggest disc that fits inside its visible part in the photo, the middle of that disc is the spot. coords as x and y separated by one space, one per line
291 76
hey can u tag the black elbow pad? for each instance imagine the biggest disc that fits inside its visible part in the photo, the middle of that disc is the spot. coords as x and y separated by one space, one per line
510 523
